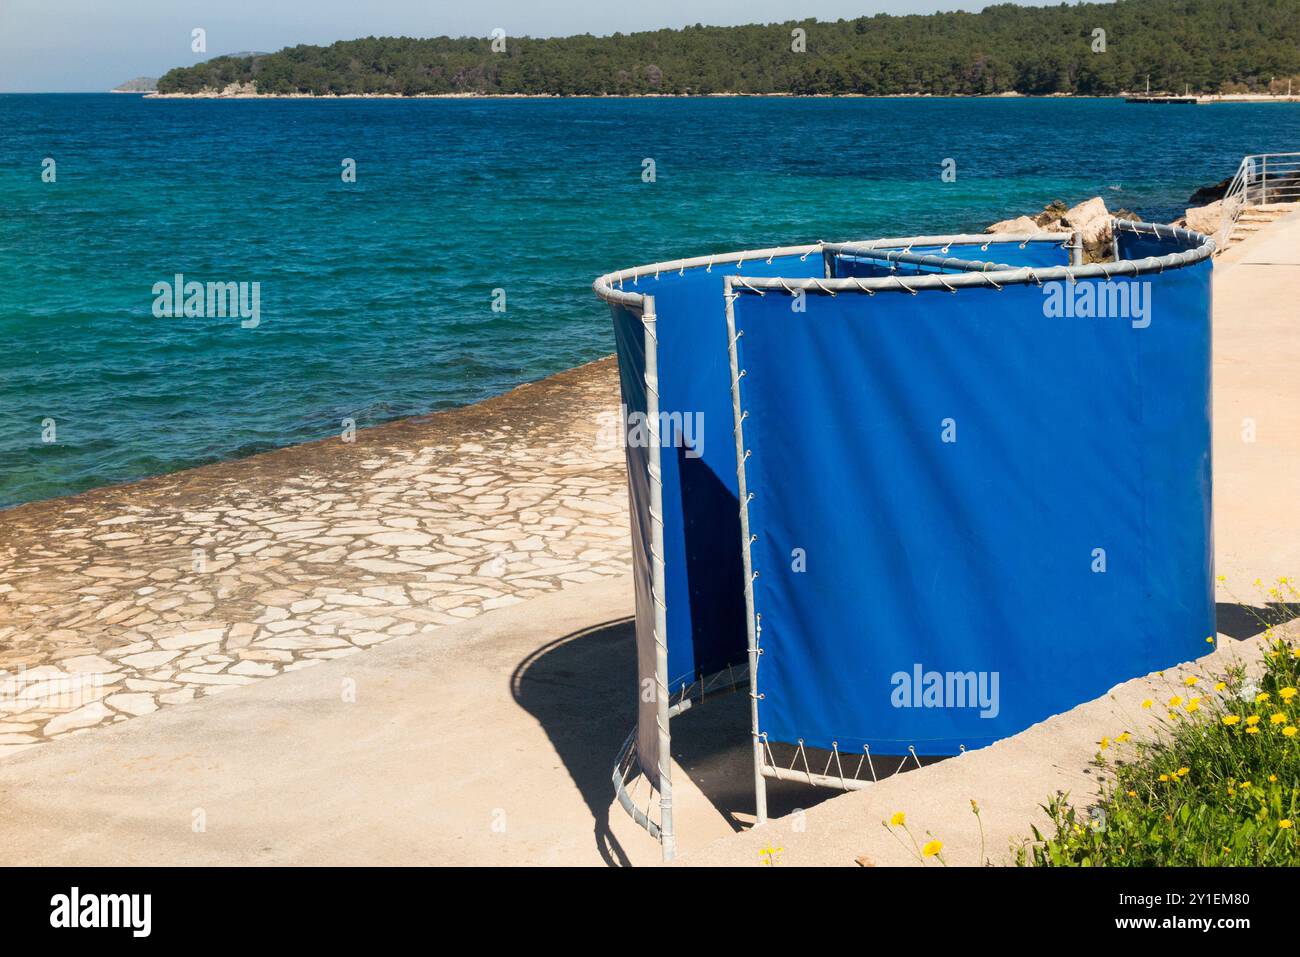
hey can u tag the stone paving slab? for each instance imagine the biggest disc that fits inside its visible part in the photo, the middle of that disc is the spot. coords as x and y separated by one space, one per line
124 600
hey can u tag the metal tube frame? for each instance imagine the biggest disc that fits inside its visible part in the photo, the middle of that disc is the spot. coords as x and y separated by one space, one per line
628 764
662 694
751 620
610 287
891 256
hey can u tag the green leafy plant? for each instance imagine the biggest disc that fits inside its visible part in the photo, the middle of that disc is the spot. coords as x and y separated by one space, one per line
1218 785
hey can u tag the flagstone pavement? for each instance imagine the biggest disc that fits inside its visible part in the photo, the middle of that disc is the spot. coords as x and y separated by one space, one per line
127 599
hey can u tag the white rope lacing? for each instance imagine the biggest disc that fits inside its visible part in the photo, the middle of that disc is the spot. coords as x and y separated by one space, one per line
904 285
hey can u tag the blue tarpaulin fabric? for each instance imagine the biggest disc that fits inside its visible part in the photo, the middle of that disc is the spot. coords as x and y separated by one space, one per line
971 514
972 557
1140 245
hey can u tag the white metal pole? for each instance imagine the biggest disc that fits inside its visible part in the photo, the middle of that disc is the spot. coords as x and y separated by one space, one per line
666 836
760 783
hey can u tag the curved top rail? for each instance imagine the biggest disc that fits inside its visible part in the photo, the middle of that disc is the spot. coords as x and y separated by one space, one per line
609 287
1020 275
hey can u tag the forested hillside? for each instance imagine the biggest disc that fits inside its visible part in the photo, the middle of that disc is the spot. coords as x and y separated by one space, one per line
1205 45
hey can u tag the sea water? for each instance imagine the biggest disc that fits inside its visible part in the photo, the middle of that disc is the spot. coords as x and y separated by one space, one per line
457 262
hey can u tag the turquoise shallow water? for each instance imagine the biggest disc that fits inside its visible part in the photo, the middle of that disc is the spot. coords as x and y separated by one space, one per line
376 296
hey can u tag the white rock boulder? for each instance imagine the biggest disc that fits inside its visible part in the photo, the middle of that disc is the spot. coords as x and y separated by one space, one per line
1082 214
1021 224
1205 219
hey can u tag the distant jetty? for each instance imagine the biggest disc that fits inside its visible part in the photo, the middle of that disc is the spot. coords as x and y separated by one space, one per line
1194 100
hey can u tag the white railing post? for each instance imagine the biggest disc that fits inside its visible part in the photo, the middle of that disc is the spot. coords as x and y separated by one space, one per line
1249 187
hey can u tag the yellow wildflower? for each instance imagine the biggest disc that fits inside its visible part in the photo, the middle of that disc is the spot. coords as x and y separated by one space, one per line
1193 705
1252 730
1286 694
1175 701
1262 696
1123 737
1164 777
1147 704
1190 680
898 819
1272 778
1278 718
1132 794
1105 743
1253 720
1289 731
1231 719
1285 824
1220 686
932 848
1183 772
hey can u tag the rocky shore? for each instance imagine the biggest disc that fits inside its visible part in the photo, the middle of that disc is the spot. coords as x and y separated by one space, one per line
1090 217
1093 219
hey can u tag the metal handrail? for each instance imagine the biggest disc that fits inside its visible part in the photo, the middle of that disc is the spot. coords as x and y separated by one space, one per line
1250 186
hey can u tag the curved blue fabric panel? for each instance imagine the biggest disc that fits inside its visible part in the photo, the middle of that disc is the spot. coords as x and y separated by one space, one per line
933 478
704 588
1140 245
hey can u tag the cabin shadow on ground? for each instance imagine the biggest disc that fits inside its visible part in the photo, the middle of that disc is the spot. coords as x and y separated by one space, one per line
582 690
1241 621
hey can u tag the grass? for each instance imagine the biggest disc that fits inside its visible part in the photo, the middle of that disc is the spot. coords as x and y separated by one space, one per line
1219 784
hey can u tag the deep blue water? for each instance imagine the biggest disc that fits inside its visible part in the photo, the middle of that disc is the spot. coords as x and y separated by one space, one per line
376 296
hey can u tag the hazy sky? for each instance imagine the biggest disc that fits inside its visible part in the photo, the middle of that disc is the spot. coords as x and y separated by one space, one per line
75 45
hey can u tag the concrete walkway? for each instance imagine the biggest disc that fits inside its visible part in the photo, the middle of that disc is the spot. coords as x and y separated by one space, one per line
1257 408
490 743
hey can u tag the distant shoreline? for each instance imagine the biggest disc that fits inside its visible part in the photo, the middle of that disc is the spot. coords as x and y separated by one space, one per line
605 96
1203 99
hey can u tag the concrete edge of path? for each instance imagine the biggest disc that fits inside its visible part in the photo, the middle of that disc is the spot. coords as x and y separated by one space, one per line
1009 780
